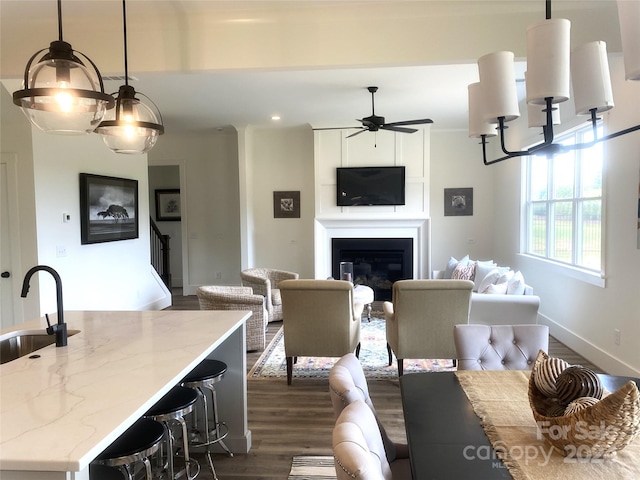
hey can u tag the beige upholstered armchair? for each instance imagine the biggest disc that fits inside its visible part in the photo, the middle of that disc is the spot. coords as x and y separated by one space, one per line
265 282
499 347
238 298
421 318
319 320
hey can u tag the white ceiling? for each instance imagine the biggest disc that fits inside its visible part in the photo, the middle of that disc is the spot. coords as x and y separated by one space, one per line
327 53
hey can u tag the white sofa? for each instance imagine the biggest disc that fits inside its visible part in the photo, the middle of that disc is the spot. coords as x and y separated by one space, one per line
499 309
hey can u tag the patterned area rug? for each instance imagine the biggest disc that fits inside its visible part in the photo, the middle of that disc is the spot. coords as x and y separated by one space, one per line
373 358
306 467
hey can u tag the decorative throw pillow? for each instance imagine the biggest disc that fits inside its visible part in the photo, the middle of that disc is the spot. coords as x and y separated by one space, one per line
464 272
482 270
505 274
453 263
490 279
515 286
499 288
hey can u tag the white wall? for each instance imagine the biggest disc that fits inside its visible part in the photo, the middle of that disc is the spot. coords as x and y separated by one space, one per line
104 276
210 202
281 160
456 162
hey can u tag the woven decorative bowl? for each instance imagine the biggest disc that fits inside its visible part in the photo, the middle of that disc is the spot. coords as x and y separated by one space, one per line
598 431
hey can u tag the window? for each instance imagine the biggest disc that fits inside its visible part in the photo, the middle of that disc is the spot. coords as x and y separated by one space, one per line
563 204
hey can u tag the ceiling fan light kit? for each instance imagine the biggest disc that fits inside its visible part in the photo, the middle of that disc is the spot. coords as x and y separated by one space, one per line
551 70
60 93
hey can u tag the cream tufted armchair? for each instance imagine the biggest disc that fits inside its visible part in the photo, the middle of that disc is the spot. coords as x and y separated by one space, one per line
499 347
238 298
421 318
319 320
358 451
265 282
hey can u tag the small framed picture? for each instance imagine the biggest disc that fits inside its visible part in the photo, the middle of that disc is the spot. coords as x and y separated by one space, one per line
108 208
458 201
286 204
168 205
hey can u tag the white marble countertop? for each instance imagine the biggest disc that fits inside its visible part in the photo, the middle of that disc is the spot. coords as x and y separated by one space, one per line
59 411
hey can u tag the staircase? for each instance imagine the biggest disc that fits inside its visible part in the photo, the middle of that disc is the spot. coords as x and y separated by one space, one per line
160 253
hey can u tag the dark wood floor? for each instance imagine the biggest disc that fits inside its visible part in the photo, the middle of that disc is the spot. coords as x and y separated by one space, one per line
298 420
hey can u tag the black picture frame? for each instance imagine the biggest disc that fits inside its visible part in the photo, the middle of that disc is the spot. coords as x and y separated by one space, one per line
108 209
286 204
458 202
168 205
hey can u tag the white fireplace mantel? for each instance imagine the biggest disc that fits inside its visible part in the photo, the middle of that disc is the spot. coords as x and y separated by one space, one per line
418 229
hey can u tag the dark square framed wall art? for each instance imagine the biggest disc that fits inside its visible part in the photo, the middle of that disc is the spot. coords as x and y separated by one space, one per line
168 205
286 204
458 201
108 208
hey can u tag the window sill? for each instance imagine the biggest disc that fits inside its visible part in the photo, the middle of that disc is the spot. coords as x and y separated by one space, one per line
568 271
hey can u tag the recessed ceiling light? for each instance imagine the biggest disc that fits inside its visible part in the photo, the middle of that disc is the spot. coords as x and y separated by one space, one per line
275 117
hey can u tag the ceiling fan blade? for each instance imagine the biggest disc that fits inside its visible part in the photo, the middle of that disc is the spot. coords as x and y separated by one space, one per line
357 133
398 129
335 128
410 122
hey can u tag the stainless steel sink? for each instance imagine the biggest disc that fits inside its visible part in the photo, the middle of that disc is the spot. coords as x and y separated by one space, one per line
17 344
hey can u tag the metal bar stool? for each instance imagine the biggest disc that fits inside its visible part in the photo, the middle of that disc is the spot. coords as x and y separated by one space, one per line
172 408
204 376
136 444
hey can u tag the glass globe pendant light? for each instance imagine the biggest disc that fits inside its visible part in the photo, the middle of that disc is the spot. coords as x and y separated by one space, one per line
132 127
61 94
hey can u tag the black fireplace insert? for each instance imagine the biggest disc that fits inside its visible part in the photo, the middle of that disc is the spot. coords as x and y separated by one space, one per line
377 262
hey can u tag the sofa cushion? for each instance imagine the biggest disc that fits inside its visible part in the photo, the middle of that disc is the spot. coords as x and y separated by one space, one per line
498 288
489 279
464 272
515 285
453 263
482 270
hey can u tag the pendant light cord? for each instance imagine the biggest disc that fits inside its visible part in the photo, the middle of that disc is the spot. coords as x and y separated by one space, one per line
124 29
60 20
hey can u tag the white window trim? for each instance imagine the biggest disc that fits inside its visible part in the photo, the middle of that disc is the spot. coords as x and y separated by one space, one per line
591 277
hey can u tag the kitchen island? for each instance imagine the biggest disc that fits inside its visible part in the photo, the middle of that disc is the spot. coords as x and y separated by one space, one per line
60 410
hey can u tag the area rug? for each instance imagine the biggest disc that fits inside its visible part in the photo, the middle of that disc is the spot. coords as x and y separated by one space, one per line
306 467
373 358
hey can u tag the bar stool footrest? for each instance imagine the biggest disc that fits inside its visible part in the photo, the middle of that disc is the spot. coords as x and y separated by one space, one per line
197 440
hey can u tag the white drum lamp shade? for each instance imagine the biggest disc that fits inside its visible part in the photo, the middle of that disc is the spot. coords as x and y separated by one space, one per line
478 126
498 85
591 79
629 15
548 53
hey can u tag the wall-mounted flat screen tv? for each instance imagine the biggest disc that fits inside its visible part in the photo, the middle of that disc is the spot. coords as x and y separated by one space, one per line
370 186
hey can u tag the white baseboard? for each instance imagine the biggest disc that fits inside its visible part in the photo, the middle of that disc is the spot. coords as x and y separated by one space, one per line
586 349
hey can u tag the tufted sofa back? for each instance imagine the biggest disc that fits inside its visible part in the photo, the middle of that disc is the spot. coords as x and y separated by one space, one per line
499 347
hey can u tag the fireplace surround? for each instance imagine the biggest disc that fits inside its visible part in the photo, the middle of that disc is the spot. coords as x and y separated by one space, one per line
417 230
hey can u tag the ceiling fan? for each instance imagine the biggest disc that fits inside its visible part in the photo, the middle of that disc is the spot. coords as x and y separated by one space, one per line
373 123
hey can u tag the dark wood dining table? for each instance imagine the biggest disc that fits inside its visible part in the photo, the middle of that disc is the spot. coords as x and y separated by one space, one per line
445 437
